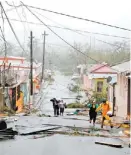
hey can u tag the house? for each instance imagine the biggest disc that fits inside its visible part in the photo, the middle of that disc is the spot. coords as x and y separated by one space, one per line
17 73
122 89
97 77
82 69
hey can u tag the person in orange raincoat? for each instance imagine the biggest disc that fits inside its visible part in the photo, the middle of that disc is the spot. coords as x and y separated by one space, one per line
105 107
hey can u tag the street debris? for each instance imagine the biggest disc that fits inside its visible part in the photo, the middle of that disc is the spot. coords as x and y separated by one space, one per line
43 115
3 125
109 144
7 134
77 119
41 136
37 130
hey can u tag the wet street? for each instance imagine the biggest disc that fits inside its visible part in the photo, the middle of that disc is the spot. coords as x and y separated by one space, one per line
55 144
57 89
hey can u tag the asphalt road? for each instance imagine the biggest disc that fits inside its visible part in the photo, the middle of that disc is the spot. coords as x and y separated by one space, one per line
56 144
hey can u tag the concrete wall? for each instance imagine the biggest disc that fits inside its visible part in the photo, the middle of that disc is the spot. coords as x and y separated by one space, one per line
86 82
121 96
110 93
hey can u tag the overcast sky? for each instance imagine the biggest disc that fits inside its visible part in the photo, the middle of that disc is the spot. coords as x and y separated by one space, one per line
114 12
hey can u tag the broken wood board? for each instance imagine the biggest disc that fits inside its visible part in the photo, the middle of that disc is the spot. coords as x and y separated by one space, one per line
76 127
6 137
37 130
109 144
77 119
42 136
8 131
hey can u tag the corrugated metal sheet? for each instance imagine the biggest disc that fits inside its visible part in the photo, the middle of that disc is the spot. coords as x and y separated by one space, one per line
123 67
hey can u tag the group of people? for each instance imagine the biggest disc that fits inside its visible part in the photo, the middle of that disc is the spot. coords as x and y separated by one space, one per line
58 106
94 108
104 107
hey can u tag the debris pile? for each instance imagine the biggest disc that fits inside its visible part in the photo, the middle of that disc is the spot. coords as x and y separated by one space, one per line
6 133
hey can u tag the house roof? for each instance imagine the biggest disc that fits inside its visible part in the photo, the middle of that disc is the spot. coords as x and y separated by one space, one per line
25 65
103 68
96 76
12 58
123 67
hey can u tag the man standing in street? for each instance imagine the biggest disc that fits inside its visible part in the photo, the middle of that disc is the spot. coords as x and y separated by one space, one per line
105 107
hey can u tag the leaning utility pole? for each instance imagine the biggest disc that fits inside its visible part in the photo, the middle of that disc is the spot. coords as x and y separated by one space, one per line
43 61
4 66
31 68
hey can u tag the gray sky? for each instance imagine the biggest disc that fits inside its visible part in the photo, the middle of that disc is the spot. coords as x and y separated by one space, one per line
115 12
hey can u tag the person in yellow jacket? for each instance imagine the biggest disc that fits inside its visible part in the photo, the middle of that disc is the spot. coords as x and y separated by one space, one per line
105 107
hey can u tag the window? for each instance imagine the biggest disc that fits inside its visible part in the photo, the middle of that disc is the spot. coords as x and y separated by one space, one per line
99 86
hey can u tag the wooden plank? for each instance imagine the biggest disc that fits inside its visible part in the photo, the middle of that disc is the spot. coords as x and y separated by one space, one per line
38 130
109 144
8 131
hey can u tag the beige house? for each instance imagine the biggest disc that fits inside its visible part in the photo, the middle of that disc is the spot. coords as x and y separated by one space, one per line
119 92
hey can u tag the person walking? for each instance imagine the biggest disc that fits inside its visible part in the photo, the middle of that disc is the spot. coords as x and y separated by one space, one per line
62 106
92 112
105 107
55 106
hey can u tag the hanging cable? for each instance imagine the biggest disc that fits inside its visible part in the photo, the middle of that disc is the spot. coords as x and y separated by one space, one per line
83 19
57 34
25 17
25 31
71 29
4 41
80 18
75 49
82 33
12 28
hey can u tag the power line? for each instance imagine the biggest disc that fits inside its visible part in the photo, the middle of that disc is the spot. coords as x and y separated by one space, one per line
57 34
3 37
63 27
77 31
75 49
25 17
11 6
83 31
21 22
12 28
80 18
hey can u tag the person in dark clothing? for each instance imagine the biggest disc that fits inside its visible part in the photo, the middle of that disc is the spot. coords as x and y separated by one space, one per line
92 112
55 106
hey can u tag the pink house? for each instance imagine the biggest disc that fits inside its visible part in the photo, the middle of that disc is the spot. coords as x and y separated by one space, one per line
97 71
122 89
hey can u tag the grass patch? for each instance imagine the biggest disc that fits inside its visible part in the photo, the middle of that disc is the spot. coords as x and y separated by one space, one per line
75 105
75 89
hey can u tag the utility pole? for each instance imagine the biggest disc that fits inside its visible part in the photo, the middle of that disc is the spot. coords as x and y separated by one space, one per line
4 66
31 67
43 61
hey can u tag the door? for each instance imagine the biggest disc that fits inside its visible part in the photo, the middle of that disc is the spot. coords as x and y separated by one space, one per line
114 99
128 97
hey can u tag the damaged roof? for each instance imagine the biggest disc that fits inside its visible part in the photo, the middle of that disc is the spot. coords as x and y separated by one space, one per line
123 67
